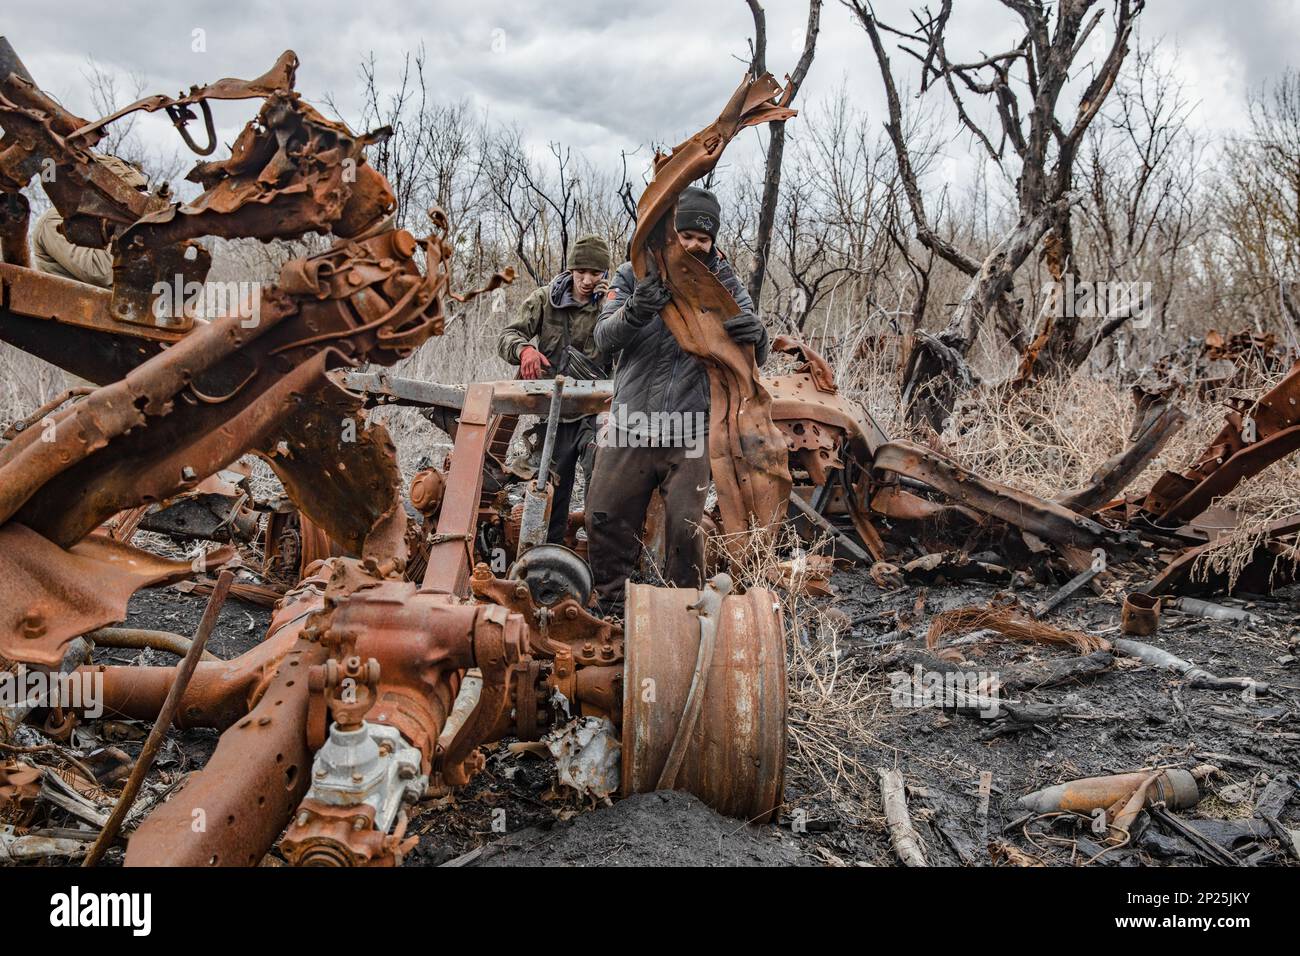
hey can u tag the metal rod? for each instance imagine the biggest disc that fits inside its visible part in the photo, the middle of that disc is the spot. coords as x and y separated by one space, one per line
552 424
820 521
1076 582
184 670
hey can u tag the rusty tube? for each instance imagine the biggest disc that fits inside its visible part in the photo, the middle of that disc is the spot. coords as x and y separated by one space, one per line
1140 614
218 694
1177 788
138 638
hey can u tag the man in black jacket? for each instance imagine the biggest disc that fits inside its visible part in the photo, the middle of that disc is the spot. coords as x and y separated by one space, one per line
657 436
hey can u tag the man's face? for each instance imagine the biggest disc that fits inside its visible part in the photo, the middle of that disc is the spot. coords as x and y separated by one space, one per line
584 282
697 243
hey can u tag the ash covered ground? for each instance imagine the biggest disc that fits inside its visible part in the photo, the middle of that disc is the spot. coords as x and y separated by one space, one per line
847 723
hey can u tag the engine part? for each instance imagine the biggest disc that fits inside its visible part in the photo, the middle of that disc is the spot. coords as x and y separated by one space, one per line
553 572
366 775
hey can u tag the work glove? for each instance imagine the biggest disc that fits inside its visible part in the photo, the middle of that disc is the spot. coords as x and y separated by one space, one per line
647 299
531 362
745 329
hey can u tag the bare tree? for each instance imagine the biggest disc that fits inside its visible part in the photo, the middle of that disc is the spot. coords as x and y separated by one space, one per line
403 111
1258 207
833 210
1139 171
504 159
776 135
1022 87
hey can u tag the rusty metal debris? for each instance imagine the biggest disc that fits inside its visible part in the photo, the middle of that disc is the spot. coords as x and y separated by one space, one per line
1139 614
1121 796
877 498
396 651
400 652
20 785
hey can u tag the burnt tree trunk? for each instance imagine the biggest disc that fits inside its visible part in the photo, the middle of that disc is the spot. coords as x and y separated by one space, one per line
776 139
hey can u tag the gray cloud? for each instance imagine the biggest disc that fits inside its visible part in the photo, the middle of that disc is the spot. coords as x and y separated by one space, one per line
600 76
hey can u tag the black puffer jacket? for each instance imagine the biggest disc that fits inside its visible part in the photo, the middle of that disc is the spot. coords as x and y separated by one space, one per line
651 372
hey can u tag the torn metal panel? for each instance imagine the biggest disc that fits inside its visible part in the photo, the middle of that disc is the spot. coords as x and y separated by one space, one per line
1272 563
204 516
342 470
279 77
746 449
49 595
1255 435
810 393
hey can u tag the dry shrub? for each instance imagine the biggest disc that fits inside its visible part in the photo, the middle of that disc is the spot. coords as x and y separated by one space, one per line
1010 623
1047 439
27 383
1271 495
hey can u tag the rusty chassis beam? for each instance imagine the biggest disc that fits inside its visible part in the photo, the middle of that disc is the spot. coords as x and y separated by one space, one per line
509 397
1044 519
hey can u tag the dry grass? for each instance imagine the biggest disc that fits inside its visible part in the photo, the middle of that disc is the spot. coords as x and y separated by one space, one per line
1012 624
27 383
835 708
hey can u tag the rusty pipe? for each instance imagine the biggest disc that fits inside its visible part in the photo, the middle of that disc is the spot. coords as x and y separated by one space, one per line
1177 788
219 693
138 638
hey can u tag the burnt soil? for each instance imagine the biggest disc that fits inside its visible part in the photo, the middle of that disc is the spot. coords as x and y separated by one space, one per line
1127 717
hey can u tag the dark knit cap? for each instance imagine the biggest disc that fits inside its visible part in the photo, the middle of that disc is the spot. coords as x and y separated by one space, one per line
590 252
698 209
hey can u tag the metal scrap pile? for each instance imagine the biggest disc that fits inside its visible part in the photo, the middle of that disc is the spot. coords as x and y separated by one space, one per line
402 644
400 652
906 507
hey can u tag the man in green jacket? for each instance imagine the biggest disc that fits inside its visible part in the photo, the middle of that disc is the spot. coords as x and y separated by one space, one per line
552 335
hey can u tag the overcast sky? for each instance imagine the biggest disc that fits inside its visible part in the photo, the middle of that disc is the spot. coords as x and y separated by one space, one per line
601 76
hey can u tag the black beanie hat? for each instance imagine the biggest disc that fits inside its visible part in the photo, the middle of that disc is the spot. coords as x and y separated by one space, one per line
698 209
